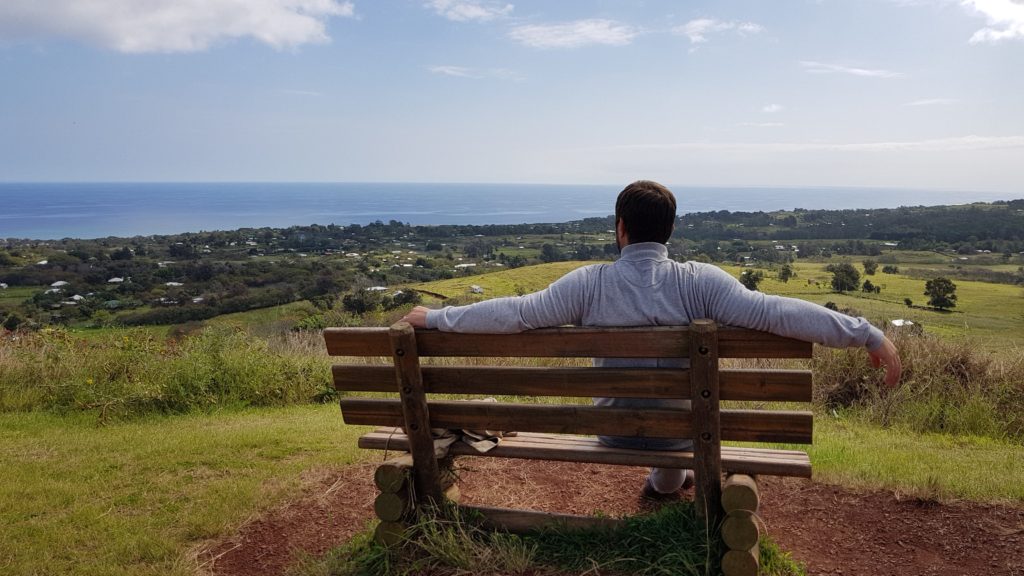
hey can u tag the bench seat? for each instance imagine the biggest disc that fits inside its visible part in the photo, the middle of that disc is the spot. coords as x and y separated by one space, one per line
567 448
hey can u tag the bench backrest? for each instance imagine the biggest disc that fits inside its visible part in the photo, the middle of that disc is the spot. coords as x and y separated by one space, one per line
703 383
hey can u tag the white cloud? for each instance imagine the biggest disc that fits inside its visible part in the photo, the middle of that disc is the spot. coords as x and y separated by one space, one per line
1005 20
457 71
698 30
467 10
823 68
137 26
954 144
475 73
575 34
771 108
930 102
762 124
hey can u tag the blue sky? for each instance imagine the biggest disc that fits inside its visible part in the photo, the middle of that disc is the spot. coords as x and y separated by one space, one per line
921 94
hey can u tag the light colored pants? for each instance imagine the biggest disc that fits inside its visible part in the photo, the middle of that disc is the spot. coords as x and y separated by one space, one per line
664 480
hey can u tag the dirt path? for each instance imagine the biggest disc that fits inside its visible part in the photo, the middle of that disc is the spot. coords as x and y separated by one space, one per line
833 530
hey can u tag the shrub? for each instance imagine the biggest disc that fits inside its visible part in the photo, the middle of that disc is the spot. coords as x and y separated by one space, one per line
947 386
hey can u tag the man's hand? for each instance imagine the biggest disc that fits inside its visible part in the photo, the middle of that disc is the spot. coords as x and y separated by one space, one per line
887 355
417 317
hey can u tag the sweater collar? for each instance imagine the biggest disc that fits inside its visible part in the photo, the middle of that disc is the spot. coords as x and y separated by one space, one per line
644 251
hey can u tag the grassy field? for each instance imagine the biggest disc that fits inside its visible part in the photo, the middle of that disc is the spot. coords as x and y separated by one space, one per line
993 314
17 294
143 497
505 282
140 497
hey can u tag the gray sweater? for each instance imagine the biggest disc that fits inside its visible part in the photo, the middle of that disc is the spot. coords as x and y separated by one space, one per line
646 288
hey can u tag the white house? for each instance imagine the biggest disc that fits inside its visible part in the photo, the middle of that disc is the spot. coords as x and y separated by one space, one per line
59 283
115 280
173 284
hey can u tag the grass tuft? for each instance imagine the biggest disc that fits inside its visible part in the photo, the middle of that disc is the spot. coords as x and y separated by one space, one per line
670 541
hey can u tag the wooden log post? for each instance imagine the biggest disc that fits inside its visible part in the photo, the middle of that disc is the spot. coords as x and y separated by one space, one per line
739 492
707 440
392 506
414 411
392 475
741 562
390 533
740 530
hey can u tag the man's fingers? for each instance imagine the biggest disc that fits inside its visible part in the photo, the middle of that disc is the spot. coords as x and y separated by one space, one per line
888 356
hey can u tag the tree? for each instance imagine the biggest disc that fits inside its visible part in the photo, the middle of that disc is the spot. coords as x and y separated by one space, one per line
941 293
551 253
751 278
868 286
870 266
908 302
786 273
844 276
890 269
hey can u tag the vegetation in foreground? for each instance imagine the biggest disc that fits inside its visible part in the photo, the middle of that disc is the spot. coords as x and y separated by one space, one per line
668 541
142 497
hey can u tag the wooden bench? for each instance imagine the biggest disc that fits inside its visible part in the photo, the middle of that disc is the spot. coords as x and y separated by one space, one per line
565 432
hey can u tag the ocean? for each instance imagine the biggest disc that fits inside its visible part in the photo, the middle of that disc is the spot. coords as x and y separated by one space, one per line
96 210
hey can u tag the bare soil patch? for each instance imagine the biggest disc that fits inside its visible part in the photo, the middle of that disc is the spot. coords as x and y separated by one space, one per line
833 530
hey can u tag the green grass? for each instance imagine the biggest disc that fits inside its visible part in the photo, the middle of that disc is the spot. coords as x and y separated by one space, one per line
14 295
504 283
940 466
990 314
668 541
139 498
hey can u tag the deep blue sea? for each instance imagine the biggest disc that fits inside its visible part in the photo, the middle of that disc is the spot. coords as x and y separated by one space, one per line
95 210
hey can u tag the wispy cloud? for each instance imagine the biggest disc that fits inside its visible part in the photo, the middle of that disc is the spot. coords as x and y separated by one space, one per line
771 108
1005 20
699 30
457 71
173 25
575 34
470 10
930 102
954 144
475 73
825 68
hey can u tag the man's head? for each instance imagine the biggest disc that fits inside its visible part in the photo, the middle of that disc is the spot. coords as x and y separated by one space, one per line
647 211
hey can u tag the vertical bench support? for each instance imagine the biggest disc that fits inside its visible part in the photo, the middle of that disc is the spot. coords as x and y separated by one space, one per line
414 411
706 421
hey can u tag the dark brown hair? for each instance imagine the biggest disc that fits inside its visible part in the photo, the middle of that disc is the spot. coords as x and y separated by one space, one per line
647 210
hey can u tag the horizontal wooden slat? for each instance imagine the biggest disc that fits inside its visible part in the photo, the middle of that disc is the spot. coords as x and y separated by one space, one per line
524 381
523 521
566 448
737 425
649 423
643 342
776 426
763 385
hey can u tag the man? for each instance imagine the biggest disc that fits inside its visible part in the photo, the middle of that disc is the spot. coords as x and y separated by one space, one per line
646 288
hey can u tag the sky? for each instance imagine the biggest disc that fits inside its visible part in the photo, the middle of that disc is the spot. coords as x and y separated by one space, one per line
879 93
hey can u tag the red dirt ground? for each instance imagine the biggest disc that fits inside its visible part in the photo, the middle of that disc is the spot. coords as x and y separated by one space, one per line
833 530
